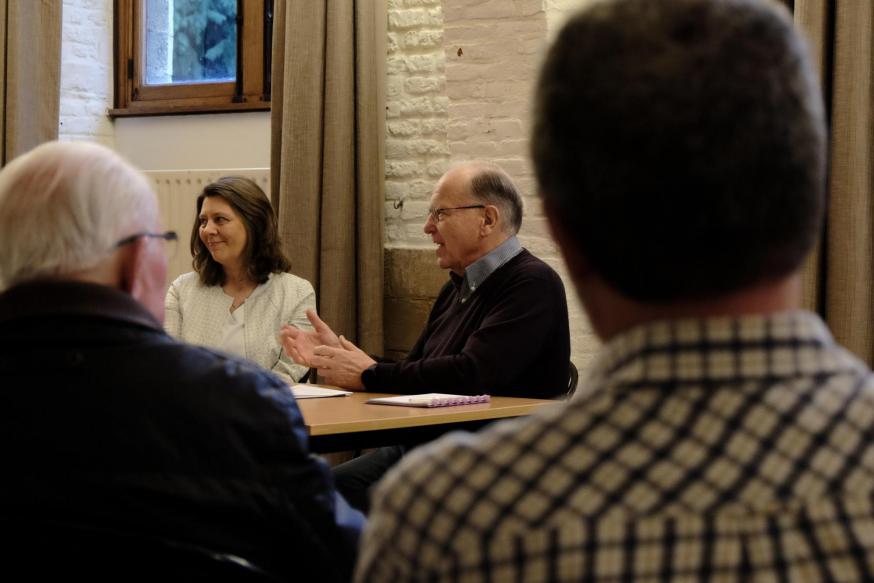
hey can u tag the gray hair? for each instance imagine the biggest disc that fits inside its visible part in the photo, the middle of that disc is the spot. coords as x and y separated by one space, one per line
492 185
64 205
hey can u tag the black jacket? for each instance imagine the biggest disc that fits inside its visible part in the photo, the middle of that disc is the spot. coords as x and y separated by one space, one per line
106 420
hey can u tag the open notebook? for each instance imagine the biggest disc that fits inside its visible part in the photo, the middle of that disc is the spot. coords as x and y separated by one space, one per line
430 400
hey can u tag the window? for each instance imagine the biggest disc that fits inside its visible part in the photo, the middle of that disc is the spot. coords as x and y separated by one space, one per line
191 56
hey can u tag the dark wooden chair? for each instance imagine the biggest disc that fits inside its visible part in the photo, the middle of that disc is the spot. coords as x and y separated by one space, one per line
573 379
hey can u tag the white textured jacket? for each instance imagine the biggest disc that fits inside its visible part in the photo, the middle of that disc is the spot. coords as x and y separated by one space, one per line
196 313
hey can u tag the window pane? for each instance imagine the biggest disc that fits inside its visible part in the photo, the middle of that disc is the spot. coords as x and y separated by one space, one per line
190 41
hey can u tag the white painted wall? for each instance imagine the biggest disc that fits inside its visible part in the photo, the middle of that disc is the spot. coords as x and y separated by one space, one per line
194 142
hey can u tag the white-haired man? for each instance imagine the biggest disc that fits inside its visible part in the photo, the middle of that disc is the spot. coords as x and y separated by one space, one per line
110 425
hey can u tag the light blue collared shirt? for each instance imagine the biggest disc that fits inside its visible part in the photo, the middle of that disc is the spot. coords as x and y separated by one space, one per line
478 271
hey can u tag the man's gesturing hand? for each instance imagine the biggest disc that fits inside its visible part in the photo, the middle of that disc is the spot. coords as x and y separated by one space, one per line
300 344
341 366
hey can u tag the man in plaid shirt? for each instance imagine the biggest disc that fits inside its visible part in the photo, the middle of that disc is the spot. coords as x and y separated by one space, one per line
721 434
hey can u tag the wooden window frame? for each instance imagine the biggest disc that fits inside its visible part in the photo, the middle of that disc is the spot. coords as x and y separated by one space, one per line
250 92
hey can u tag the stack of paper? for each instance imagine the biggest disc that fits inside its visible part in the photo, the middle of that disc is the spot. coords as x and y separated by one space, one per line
313 392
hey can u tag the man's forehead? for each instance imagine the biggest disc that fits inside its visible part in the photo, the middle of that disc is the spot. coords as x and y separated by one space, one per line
451 186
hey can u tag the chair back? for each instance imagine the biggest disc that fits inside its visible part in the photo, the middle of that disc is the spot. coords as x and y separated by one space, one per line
573 379
308 377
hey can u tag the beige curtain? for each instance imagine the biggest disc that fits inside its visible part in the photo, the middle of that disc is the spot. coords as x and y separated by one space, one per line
327 157
839 279
30 73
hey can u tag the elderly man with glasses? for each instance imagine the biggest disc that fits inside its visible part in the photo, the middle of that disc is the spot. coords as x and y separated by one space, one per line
499 325
114 430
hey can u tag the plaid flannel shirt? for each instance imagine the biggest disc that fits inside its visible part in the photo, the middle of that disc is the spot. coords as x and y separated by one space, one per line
720 450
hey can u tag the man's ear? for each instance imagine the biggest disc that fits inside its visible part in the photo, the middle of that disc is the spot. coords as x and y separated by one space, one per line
491 218
128 261
143 271
578 264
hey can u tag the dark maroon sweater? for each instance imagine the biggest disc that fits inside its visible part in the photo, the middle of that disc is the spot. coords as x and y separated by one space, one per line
511 338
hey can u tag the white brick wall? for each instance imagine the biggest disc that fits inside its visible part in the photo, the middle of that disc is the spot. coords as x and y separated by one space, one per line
558 11
417 152
86 71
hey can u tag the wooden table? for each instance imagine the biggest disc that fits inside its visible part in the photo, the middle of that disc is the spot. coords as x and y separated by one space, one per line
344 423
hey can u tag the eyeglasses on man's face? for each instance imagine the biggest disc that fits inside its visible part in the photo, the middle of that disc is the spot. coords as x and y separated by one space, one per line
170 238
438 214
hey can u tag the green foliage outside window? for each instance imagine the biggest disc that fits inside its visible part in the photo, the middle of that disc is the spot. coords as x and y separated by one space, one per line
204 40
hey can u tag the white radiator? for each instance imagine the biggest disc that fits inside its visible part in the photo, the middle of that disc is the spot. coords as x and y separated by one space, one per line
177 192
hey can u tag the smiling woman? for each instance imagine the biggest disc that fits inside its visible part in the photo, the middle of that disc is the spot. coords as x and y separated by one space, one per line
224 234
240 293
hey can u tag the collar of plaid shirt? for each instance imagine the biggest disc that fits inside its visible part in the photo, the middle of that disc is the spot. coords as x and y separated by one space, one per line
719 350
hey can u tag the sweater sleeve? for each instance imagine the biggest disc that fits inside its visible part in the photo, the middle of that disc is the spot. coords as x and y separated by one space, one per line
523 313
295 315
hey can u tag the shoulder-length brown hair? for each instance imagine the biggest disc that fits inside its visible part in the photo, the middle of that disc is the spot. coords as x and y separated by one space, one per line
263 254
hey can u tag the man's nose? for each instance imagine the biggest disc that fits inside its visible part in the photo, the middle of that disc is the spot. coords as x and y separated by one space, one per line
430 227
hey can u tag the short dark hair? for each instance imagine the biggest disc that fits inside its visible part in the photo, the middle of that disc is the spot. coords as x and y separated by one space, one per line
681 144
492 185
263 253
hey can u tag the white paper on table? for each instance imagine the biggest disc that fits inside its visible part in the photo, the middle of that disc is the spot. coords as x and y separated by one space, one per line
311 392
